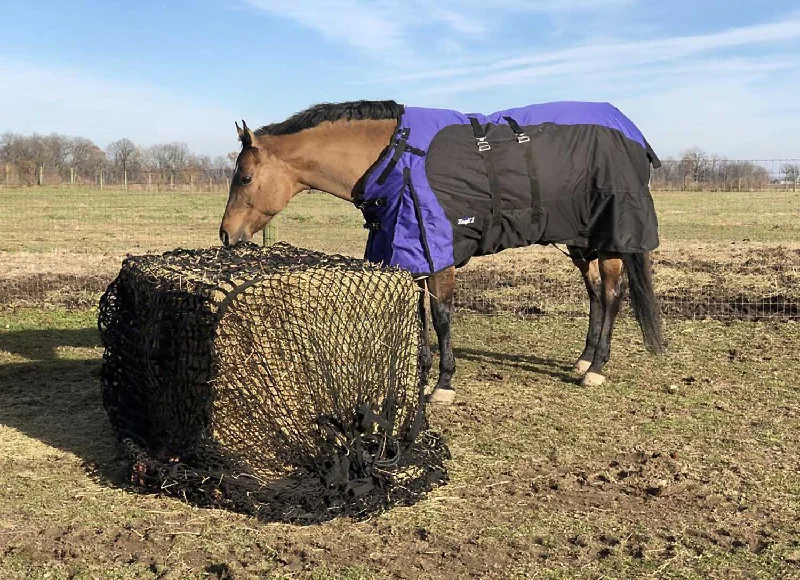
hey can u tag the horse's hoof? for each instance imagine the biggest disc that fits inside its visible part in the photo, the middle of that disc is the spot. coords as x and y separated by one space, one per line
582 366
593 380
441 396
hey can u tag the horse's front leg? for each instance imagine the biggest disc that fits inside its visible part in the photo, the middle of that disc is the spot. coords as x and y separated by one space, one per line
611 268
441 295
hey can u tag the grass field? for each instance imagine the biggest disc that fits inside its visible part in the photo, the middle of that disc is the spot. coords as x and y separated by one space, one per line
684 466
117 222
733 253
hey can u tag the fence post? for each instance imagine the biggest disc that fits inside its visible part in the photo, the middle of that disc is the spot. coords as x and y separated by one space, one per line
101 180
149 180
125 179
191 182
269 235
7 172
172 181
41 175
72 176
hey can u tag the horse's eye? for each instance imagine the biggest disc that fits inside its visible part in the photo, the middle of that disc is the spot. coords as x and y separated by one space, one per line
246 179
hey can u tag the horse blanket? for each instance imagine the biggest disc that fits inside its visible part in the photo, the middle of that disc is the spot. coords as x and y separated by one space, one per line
451 186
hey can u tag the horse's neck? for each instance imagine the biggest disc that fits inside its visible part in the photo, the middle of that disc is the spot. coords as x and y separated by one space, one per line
333 157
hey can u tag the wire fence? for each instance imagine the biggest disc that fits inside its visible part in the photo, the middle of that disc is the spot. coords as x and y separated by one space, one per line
694 172
699 172
754 283
724 254
138 179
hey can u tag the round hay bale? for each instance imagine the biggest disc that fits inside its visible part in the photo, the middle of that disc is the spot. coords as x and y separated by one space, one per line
255 368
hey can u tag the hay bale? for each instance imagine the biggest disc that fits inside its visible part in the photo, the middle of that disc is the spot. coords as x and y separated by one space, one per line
257 364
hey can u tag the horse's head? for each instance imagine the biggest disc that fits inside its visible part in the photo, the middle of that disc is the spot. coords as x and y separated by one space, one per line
261 186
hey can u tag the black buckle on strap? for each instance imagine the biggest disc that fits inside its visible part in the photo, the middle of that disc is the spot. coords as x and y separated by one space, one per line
521 136
480 135
370 203
373 226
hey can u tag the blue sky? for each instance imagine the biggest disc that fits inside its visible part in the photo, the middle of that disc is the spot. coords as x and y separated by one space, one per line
720 75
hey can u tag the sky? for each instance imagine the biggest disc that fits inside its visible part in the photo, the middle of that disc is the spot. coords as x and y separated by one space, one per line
721 75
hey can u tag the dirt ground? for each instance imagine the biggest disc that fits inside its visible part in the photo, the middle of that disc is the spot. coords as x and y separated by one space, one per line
680 467
684 466
749 283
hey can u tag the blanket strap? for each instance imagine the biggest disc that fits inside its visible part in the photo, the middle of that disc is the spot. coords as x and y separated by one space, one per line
525 141
399 149
494 184
418 214
401 146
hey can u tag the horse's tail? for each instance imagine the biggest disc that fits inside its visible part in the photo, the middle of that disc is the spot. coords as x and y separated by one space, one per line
644 303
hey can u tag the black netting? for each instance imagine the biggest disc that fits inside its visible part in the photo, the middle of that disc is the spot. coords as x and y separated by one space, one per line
277 380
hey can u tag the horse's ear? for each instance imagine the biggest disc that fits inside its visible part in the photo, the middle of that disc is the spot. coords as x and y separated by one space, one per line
238 129
246 136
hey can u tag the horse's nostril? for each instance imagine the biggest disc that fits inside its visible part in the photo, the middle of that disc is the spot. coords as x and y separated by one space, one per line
223 235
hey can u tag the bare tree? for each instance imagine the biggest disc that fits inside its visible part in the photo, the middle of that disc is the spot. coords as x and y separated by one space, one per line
86 158
695 164
169 157
791 171
222 165
125 157
199 162
15 150
36 153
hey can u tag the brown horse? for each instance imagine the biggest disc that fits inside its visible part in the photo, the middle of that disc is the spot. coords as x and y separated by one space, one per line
332 147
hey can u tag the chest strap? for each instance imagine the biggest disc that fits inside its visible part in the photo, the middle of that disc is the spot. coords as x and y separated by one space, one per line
525 141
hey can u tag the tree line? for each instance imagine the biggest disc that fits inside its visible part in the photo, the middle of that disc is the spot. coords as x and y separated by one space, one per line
55 158
698 170
27 159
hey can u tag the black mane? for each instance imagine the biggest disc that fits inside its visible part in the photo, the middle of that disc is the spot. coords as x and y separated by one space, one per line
350 111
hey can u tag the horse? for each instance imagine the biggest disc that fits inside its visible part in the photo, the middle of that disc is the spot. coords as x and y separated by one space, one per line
437 187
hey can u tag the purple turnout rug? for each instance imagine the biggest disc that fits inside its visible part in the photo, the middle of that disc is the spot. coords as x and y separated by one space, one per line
451 186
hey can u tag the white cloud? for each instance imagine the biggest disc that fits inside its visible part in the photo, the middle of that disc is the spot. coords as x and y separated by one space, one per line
366 26
607 56
731 92
386 29
57 100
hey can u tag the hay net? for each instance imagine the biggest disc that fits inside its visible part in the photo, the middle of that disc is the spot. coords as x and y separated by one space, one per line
263 362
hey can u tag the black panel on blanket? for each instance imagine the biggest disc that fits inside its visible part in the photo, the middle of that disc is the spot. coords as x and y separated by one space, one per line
593 183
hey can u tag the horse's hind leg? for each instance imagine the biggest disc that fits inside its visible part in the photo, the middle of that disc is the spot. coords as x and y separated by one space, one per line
611 269
587 263
441 289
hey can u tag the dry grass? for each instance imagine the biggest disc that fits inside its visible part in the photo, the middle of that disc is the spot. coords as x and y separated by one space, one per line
681 467
719 250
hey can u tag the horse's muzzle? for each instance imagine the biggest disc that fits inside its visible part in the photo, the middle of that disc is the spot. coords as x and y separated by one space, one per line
229 240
